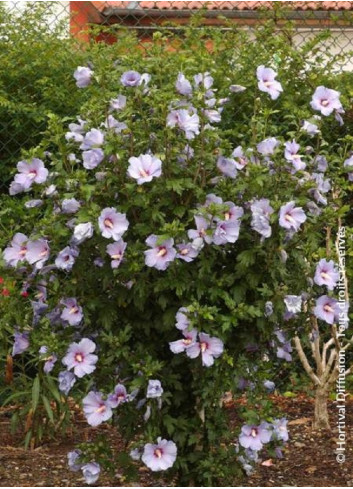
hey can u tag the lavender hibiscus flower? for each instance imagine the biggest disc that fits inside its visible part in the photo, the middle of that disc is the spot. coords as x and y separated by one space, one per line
37 252
83 76
73 460
160 456
92 158
204 79
39 308
50 359
72 313
80 357
113 224
50 362
213 115
326 100
293 303
237 88
70 206
29 172
310 128
180 346
161 255
261 212
209 347
280 429
226 232
291 155
186 252
82 232
182 321
348 162
93 139
154 389
21 343
254 437
131 78
118 103
96 409
186 121
91 472
321 163
118 397
66 258
202 225
227 166
284 349
17 251
291 217
66 381
240 160
31 204
327 309
326 274
116 251
183 85
76 131
267 82
144 167
269 385
267 146
114 124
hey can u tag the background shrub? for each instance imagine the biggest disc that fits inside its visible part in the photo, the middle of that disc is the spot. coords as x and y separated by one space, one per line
129 312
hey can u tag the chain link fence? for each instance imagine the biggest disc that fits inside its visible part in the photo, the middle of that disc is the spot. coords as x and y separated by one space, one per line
34 59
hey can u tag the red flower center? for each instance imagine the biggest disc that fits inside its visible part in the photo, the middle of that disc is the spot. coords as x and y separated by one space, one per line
254 432
162 251
101 408
289 218
79 357
158 452
23 251
108 223
203 346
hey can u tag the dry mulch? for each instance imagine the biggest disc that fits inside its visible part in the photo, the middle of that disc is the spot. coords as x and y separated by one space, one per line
309 458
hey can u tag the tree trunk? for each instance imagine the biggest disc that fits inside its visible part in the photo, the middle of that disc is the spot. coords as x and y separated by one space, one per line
321 418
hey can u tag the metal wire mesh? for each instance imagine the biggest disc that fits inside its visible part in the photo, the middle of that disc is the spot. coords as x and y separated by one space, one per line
24 105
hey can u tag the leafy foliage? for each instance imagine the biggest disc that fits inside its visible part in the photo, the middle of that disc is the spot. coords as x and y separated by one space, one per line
130 311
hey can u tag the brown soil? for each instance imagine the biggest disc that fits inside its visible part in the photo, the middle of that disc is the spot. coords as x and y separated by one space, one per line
309 458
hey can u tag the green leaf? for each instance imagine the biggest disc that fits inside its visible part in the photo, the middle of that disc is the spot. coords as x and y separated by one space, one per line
15 396
28 438
53 389
35 393
289 394
48 408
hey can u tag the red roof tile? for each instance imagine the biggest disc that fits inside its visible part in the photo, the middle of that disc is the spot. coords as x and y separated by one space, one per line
250 5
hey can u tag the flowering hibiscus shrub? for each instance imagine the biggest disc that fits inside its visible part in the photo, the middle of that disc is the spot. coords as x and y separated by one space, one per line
163 237
37 59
